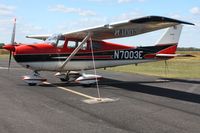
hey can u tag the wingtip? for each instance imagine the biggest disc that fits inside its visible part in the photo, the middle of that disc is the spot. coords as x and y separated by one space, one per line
158 18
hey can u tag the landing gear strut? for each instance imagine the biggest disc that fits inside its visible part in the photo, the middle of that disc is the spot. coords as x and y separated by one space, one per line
64 77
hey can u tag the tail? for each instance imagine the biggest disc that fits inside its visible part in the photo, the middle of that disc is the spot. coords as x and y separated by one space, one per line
169 39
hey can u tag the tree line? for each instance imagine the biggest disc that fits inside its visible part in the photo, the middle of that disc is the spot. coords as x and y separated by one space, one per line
188 49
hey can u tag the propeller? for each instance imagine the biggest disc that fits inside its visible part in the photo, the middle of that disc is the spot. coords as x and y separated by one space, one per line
11 47
10 57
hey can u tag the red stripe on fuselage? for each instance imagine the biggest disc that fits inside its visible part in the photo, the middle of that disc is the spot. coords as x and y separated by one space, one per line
50 49
149 56
169 50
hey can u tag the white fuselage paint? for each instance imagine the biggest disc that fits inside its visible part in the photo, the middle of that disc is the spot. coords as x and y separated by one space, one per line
80 65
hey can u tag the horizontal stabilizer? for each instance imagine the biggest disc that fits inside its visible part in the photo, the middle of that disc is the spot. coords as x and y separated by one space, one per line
173 55
166 55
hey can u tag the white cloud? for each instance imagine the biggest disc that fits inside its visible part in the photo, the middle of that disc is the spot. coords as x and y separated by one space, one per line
117 1
22 29
29 29
6 27
175 16
124 1
80 23
128 1
195 10
97 0
79 11
6 9
128 15
5 21
86 22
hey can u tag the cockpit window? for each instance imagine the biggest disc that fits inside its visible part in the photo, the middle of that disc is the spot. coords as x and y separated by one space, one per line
55 40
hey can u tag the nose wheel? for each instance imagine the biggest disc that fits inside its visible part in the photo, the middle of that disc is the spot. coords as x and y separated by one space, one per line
34 79
32 84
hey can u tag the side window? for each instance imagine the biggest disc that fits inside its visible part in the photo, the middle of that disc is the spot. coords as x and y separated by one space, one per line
74 44
84 47
71 44
60 44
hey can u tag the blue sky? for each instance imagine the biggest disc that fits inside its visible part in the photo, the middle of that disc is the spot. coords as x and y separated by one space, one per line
50 16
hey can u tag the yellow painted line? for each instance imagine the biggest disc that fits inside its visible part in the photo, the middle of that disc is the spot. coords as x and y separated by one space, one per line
71 91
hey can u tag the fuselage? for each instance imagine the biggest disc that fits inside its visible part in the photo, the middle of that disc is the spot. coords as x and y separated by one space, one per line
47 57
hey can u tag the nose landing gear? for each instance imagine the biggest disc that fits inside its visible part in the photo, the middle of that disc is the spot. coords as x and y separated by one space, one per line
33 79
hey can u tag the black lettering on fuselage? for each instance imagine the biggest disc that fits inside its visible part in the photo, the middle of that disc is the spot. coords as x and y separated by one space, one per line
127 54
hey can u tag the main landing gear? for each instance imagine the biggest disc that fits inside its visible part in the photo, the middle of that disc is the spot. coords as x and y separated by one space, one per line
83 79
33 79
68 77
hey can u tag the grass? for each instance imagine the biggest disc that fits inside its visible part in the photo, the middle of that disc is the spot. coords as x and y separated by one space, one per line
3 54
180 67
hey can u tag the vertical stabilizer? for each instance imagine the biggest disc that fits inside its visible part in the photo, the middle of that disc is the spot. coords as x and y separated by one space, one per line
171 36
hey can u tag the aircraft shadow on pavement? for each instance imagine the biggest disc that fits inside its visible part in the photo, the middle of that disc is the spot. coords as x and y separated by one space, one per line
152 90
139 86
182 80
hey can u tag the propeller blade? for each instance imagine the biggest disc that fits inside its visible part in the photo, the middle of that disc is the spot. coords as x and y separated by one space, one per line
11 48
9 62
13 33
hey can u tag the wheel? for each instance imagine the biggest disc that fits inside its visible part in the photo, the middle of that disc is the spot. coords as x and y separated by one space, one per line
64 79
32 84
86 85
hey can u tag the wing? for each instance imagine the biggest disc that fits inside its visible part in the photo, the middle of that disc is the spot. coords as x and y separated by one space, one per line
121 29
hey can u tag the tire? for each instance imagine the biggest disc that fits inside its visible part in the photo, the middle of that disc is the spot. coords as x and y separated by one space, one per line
32 84
64 79
87 85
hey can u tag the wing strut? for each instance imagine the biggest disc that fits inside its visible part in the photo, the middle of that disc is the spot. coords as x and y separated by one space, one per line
75 51
95 72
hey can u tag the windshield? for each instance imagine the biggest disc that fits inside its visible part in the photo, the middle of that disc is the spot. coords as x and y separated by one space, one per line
54 39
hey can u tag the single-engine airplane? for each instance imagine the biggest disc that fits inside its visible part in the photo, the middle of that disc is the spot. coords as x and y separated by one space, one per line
86 49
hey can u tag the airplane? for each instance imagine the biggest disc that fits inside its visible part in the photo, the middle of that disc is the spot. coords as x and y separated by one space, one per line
71 53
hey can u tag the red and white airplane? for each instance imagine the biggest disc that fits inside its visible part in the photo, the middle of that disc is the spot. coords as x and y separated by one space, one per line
86 49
